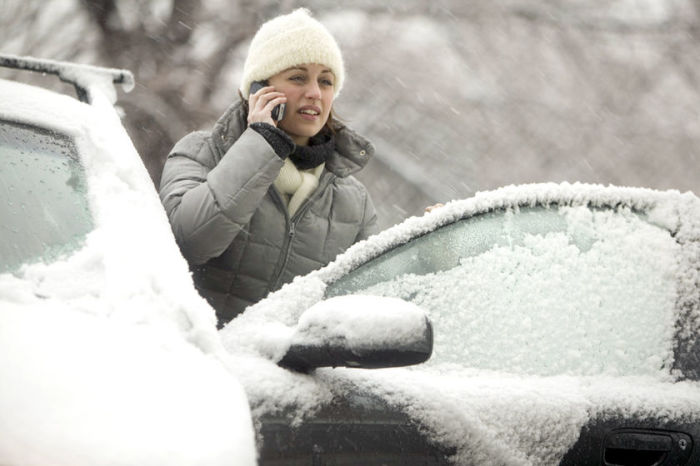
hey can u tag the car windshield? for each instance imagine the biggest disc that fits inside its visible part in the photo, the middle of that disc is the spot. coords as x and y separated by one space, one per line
44 206
559 290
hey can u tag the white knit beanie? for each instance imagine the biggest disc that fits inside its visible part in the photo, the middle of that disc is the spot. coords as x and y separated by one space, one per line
287 41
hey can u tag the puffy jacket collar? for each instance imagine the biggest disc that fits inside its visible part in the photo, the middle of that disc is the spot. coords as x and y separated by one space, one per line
352 151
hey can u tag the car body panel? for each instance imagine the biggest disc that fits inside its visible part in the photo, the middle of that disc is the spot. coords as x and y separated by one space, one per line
357 429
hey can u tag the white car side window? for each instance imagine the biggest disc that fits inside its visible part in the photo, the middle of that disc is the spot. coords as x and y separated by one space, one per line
539 291
45 210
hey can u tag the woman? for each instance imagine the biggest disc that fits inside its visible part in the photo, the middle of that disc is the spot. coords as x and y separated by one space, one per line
256 202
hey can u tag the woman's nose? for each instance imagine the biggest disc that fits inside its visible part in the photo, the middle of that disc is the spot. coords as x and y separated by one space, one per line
313 91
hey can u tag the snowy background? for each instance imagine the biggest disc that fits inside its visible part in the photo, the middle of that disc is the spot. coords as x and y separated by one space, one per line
457 96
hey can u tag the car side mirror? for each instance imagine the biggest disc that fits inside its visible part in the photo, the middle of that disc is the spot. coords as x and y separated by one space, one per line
360 331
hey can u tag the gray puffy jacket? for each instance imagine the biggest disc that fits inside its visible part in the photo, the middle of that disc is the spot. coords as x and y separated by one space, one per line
232 225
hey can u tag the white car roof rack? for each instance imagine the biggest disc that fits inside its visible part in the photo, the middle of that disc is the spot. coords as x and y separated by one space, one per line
72 73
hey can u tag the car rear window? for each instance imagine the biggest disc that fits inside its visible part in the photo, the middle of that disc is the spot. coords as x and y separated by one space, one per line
43 190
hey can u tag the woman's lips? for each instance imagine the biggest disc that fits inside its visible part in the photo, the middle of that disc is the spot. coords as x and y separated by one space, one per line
309 112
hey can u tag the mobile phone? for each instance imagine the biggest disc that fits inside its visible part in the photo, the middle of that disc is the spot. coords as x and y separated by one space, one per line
278 111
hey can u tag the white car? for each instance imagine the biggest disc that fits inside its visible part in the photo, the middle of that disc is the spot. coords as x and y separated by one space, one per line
567 331
107 353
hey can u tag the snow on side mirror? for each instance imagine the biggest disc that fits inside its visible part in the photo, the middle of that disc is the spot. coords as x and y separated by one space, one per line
360 331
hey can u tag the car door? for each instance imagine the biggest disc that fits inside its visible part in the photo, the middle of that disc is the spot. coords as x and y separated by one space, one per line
600 286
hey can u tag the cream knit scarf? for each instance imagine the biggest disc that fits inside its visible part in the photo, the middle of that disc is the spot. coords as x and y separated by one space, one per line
296 185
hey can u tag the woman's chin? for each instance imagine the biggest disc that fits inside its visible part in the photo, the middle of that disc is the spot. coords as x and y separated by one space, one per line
300 130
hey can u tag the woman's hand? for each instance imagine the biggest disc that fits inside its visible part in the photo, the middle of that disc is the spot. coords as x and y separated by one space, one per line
261 103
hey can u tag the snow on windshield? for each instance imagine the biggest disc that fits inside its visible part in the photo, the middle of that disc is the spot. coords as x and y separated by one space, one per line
598 298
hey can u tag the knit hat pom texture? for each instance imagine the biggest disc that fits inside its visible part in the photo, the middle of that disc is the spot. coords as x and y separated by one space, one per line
291 40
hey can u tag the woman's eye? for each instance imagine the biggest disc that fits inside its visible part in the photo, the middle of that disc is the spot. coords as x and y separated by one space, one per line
297 78
327 82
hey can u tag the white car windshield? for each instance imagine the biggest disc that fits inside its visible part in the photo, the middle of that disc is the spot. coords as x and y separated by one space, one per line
559 290
44 207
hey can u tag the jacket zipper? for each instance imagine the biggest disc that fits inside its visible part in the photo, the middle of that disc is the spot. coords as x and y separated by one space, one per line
291 226
291 229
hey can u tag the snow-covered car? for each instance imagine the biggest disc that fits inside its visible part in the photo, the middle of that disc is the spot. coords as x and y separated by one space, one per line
566 320
107 353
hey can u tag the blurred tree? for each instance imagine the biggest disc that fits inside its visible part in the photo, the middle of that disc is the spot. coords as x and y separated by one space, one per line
178 50
457 96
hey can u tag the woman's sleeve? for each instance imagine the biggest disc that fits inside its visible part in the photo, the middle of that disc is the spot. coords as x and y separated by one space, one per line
208 203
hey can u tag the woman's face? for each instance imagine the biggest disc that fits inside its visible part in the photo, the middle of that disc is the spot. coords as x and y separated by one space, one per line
309 89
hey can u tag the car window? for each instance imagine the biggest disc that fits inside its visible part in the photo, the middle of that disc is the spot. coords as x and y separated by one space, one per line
539 290
44 206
